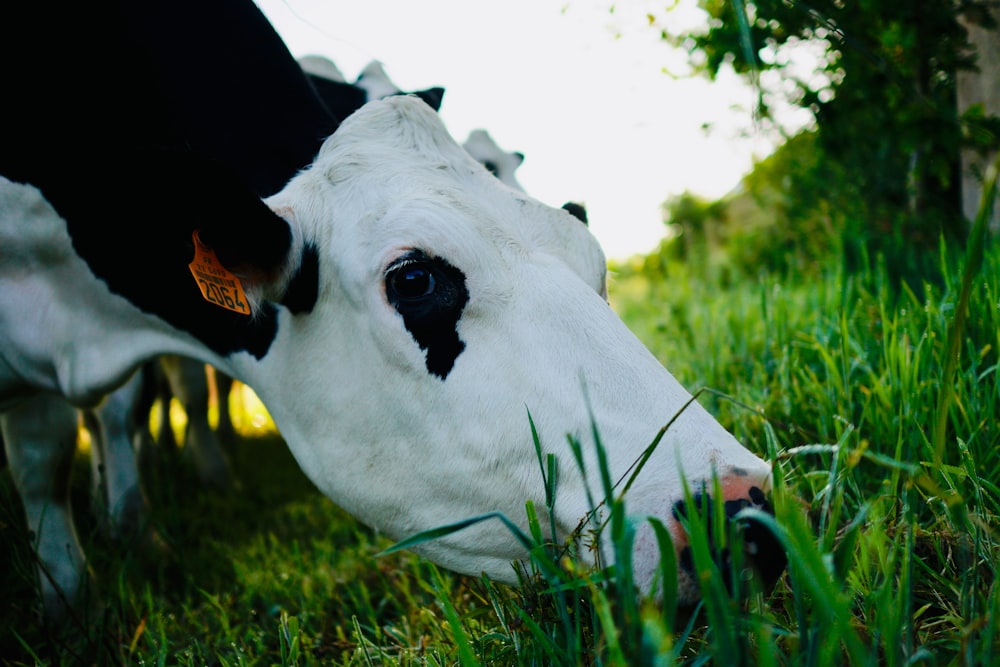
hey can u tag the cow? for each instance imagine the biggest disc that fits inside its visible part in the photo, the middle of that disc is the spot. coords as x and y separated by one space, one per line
410 323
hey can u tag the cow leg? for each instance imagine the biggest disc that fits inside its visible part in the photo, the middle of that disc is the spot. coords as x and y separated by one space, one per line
202 448
224 429
40 437
165 438
154 388
118 495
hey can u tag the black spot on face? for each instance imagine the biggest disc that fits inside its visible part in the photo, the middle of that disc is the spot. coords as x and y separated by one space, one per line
429 294
303 287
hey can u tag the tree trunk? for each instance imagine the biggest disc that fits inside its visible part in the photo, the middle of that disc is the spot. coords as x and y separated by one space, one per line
980 87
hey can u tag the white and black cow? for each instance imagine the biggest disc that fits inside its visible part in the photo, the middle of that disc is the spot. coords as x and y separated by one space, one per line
398 310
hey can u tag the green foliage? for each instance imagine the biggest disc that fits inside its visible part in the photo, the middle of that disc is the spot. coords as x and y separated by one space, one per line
779 220
895 558
694 224
888 133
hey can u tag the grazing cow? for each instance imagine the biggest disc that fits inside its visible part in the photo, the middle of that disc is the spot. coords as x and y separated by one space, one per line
397 309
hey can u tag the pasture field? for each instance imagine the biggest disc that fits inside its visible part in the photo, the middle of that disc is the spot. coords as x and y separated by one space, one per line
887 463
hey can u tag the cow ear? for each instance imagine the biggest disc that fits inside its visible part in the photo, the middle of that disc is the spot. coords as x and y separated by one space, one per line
288 276
433 96
174 193
577 210
247 237
254 243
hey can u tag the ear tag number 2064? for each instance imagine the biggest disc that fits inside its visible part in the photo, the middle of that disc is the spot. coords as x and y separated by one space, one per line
218 285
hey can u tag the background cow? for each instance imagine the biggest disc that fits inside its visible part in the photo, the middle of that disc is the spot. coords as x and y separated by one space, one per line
499 162
503 164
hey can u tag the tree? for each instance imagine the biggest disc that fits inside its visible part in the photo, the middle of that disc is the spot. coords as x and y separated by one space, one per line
883 96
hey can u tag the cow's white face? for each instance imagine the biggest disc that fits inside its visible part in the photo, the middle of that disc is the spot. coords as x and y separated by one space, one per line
449 307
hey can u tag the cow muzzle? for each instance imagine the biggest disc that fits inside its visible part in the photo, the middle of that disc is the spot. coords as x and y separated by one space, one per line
760 555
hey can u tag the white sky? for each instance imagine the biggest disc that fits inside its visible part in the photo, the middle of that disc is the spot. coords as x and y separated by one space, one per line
595 115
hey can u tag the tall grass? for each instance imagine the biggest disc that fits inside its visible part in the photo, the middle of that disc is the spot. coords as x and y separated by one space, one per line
879 407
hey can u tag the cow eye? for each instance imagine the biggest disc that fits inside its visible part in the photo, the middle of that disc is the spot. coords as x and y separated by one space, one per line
411 280
429 294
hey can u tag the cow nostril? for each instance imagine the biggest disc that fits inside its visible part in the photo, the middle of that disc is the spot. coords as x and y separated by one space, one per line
763 550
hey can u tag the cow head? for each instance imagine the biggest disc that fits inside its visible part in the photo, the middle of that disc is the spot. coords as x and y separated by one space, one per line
447 309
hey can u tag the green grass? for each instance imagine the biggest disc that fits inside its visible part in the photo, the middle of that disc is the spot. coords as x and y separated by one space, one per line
880 408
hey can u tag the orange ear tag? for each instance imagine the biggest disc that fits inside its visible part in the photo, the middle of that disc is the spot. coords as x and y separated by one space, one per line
218 285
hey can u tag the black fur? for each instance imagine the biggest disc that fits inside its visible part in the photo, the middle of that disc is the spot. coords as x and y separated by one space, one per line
143 121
